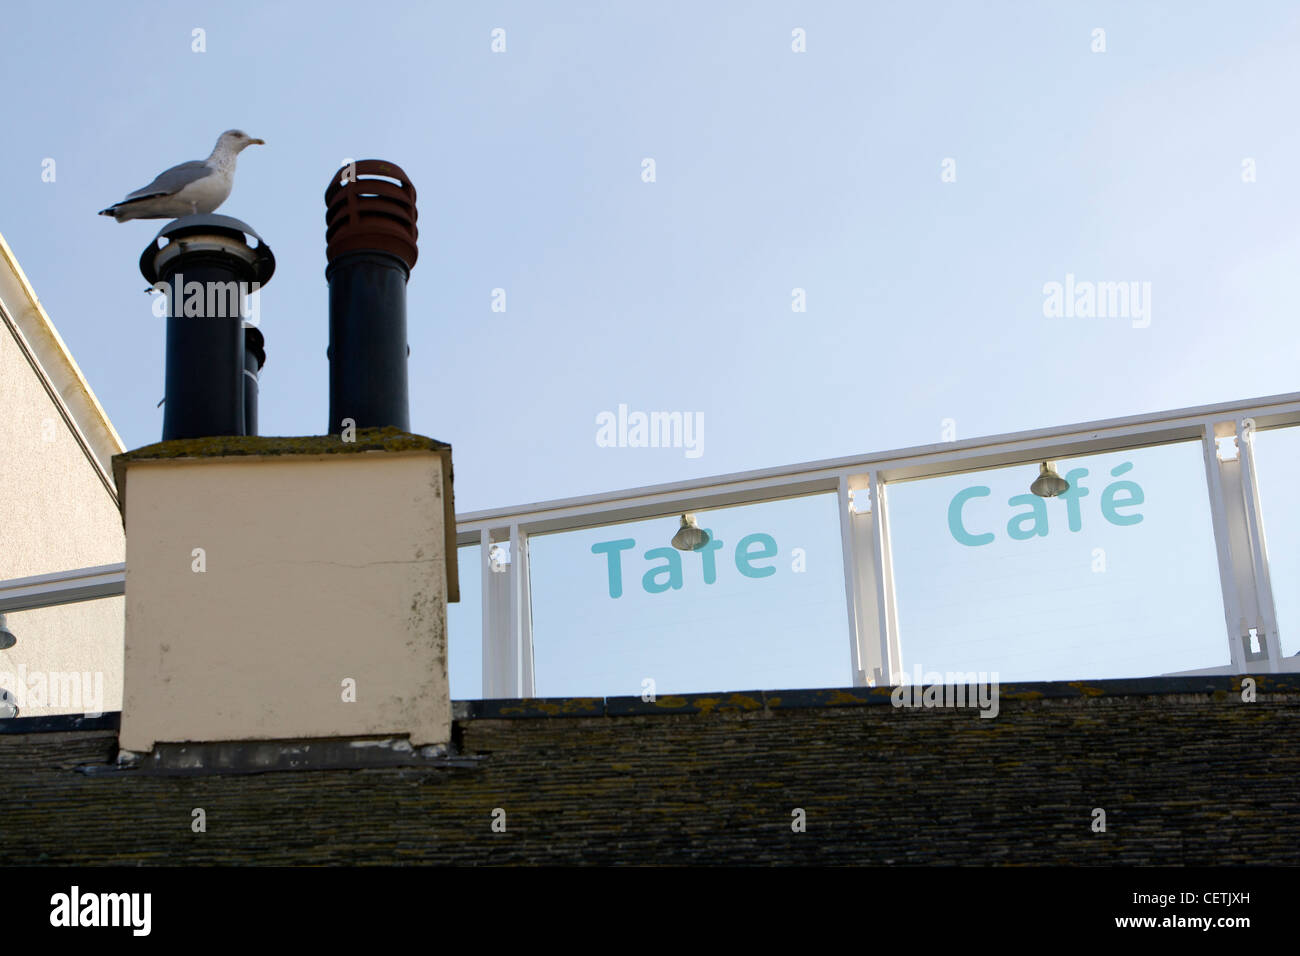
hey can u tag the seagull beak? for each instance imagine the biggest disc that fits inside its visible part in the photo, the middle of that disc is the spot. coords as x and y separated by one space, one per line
257 142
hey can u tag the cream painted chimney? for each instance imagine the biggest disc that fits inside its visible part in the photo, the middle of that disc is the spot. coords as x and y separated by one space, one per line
284 588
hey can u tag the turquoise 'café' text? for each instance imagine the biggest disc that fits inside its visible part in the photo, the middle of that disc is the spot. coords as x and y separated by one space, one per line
1033 522
751 548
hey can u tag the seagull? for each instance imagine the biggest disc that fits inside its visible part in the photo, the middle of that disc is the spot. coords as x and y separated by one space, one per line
190 188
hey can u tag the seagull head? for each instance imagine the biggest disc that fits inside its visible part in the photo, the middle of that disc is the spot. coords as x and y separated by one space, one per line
234 140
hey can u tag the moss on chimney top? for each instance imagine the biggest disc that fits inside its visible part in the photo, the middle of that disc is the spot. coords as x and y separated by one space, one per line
221 446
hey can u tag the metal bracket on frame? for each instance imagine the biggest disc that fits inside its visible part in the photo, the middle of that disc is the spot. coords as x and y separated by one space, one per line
1249 611
877 659
507 613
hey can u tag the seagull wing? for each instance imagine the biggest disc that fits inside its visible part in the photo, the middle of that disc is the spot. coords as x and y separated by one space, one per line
172 180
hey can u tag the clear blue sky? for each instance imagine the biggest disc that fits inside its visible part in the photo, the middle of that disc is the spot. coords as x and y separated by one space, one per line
775 170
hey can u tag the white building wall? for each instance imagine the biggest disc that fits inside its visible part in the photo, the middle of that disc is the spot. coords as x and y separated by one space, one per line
56 512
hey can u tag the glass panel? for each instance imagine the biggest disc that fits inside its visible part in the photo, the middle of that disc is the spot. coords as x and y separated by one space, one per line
1277 466
66 659
761 607
465 629
1118 578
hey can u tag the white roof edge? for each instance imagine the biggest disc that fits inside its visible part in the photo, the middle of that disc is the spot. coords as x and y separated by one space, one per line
55 363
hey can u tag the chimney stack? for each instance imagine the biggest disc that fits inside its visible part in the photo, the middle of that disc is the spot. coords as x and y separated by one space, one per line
286 596
370 238
208 268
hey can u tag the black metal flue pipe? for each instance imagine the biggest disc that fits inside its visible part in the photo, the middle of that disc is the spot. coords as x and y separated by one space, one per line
371 248
367 350
208 268
254 359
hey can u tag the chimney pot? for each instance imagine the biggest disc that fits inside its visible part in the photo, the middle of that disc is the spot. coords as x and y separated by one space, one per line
208 264
370 236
